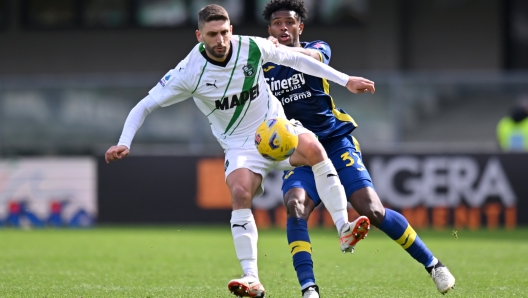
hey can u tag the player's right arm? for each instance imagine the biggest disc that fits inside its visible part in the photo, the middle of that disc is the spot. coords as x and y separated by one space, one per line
306 65
171 89
308 52
133 122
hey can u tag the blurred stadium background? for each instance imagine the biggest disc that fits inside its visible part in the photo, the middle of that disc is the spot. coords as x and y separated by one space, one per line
446 72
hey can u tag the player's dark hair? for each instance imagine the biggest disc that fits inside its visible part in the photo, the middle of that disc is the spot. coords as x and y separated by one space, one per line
295 5
211 12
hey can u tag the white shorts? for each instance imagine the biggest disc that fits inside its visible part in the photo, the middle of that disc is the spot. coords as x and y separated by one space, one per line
250 158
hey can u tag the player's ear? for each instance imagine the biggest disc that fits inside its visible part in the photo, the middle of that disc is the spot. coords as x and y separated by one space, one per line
231 28
198 36
301 28
269 30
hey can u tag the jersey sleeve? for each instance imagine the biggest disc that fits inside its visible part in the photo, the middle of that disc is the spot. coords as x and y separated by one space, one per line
299 62
135 119
323 48
173 86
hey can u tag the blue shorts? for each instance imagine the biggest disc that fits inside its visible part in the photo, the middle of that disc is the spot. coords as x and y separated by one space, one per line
346 157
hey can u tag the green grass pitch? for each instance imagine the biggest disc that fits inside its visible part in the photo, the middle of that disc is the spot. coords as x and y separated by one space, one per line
183 261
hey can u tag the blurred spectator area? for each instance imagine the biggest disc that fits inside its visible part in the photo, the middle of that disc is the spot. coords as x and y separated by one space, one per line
113 36
60 14
70 71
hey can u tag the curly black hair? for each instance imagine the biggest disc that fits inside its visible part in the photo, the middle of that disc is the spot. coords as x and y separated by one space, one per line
295 5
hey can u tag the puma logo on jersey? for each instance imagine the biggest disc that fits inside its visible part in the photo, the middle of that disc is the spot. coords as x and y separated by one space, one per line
242 226
238 100
268 68
211 84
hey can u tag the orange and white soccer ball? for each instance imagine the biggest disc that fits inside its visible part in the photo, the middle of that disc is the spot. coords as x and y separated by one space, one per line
276 139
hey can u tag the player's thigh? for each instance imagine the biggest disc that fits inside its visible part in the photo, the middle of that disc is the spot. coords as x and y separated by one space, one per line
301 178
243 184
309 151
251 160
346 157
298 203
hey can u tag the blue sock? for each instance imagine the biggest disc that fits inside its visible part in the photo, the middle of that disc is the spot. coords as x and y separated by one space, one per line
301 250
399 229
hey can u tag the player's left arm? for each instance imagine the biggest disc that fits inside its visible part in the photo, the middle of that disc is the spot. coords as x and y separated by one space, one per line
304 64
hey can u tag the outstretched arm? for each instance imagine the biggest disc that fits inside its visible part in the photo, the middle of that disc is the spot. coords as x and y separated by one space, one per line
133 122
303 63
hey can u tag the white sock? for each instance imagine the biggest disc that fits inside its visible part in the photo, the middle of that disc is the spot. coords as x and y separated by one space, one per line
331 192
433 262
306 285
245 237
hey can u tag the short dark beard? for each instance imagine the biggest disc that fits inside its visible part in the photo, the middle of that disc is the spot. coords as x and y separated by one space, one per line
211 51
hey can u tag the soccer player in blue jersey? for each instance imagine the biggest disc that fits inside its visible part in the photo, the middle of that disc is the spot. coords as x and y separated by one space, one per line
306 98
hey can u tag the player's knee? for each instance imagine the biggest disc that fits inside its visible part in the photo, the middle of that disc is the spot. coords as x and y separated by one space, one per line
366 202
375 214
314 152
295 208
241 197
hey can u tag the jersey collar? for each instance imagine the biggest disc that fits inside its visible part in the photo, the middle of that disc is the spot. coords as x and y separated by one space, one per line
214 62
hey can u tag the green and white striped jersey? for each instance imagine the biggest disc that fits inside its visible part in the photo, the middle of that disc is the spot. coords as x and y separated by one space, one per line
233 95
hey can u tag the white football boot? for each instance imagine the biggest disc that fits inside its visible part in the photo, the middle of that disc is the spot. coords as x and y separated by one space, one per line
352 232
442 277
247 286
311 292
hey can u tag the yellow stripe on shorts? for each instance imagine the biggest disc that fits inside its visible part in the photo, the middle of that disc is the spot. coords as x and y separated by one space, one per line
298 246
356 143
407 239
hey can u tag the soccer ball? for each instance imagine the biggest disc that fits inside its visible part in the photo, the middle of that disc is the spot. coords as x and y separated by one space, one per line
276 139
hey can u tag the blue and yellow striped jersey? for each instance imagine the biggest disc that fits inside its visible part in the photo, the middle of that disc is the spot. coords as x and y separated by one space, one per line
307 98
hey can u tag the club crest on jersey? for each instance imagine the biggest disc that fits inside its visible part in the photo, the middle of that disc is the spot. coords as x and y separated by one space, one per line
165 80
249 70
